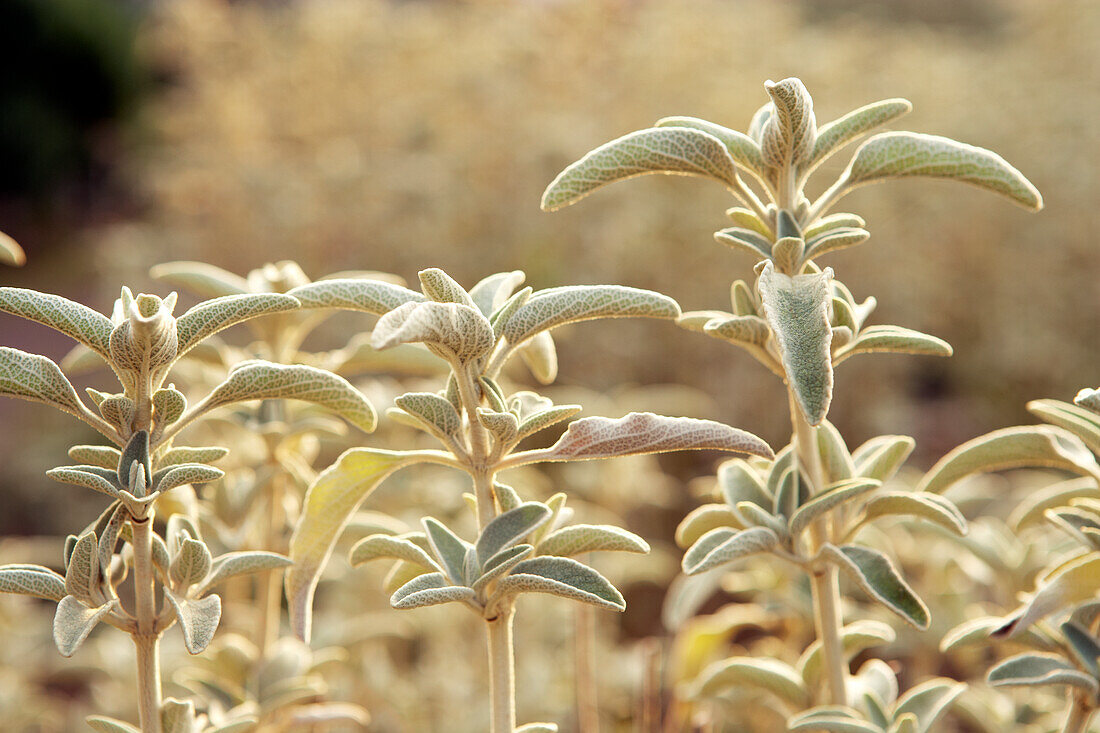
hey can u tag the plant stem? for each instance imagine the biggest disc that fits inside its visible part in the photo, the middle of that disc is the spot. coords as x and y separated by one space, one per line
146 639
588 710
1077 720
502 671
271 582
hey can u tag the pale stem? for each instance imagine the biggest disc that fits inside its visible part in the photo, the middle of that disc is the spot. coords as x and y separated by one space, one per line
588 709
824 582
1077 719
650 713
271 582
502 670
146 638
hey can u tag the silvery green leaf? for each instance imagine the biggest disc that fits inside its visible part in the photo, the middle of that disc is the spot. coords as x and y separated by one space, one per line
876 575
745 240
697 320
211 316
37 379
643 432
386 546
896 340
32 580
428 590
102 724
788 493
1072 582
835 458
74 621
545 418
1089 399
771 675
560 576
191 564
459 332
749 220
10 251
206 281
168 405
742 148
259 380
506 496
882 456
501 425
931 507
323 714
842 335
499 564
232 564
431 410
186 454
1083 423
1032 508
753 515
198 619
442 288
96 455
371 296
904 154
188 473
82 574
979 631
61 314
329 505
119 411
759 119
797 309
538 728
904 724
739 481
509 528
177 716
1030 446
722 545
676 150
855 637
739 329
830 722
703 519
788 136
1032 669
834 240
499 319
831 222
577 539
554 307
108 538
541 357
1083 645
494 291
742 299
834 135
784 460
787 254
135 452
448 548
836 495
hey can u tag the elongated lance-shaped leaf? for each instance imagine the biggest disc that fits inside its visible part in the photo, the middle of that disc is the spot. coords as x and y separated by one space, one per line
876 575
493 291
449 548
378 546
882 456
74 621
832 136
893 339
1083 645
191 563
675 150
543 419
541 357
186 454
797 309
499 564
32 580
771 675
198 619
907 154
834 496
37 379
577 539
739 481
835 458
204 280
442 288
260 380
188 473
927 701
745 240
369 296
90 477
1038 446
559 576
554 307
1032 508
834 240
509 528
82 573
739 329
434 412
429 589
329 505
703 519
830 721
723 545
978 631
460 332
643 432
930 507
788 136
1033 668
102 724
1072 582
232 564
96 455
742 148
1083 423
211 316
854 638
76 321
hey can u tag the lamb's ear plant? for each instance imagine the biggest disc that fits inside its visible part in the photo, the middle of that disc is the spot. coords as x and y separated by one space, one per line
141 343
521 546
799 321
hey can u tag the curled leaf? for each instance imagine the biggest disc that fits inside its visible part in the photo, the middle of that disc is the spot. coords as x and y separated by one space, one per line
1033 668
723 545
460 332
74 621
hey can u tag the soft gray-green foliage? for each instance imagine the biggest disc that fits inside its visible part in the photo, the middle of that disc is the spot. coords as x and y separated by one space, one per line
876 575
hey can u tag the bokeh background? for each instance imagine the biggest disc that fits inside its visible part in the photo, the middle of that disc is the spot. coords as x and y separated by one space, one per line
393 136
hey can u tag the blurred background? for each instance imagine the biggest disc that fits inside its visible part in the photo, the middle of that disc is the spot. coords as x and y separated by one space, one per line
394 136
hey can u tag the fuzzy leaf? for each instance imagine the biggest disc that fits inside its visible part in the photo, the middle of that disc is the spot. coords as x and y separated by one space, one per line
723 545
1083 423
211 316
82 574
204 280
76 321
96 455
541 357
834 135
86 477
538 728
790 131
103 724
198 619
74 621
459 331
703 519
499 564
927 701
543 419
835 458
643 432
895 340
429 589
931 507
259 380
232 564
882 456
676 150
1032 508
560 576
168 405
385 546
191 563
797 309
904 154
177 716
188 473
745 240
577 539
36 378
434 412
739 481
834 240
739 329
554 307
1031 446
329 505
1083 645
493 291
10 252
448 547
1089 399
1039 669
834 496
876 575
370 296
856 637
1074 581
830 723
32 580
185 454
742 148
442 288
509 528
771 675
